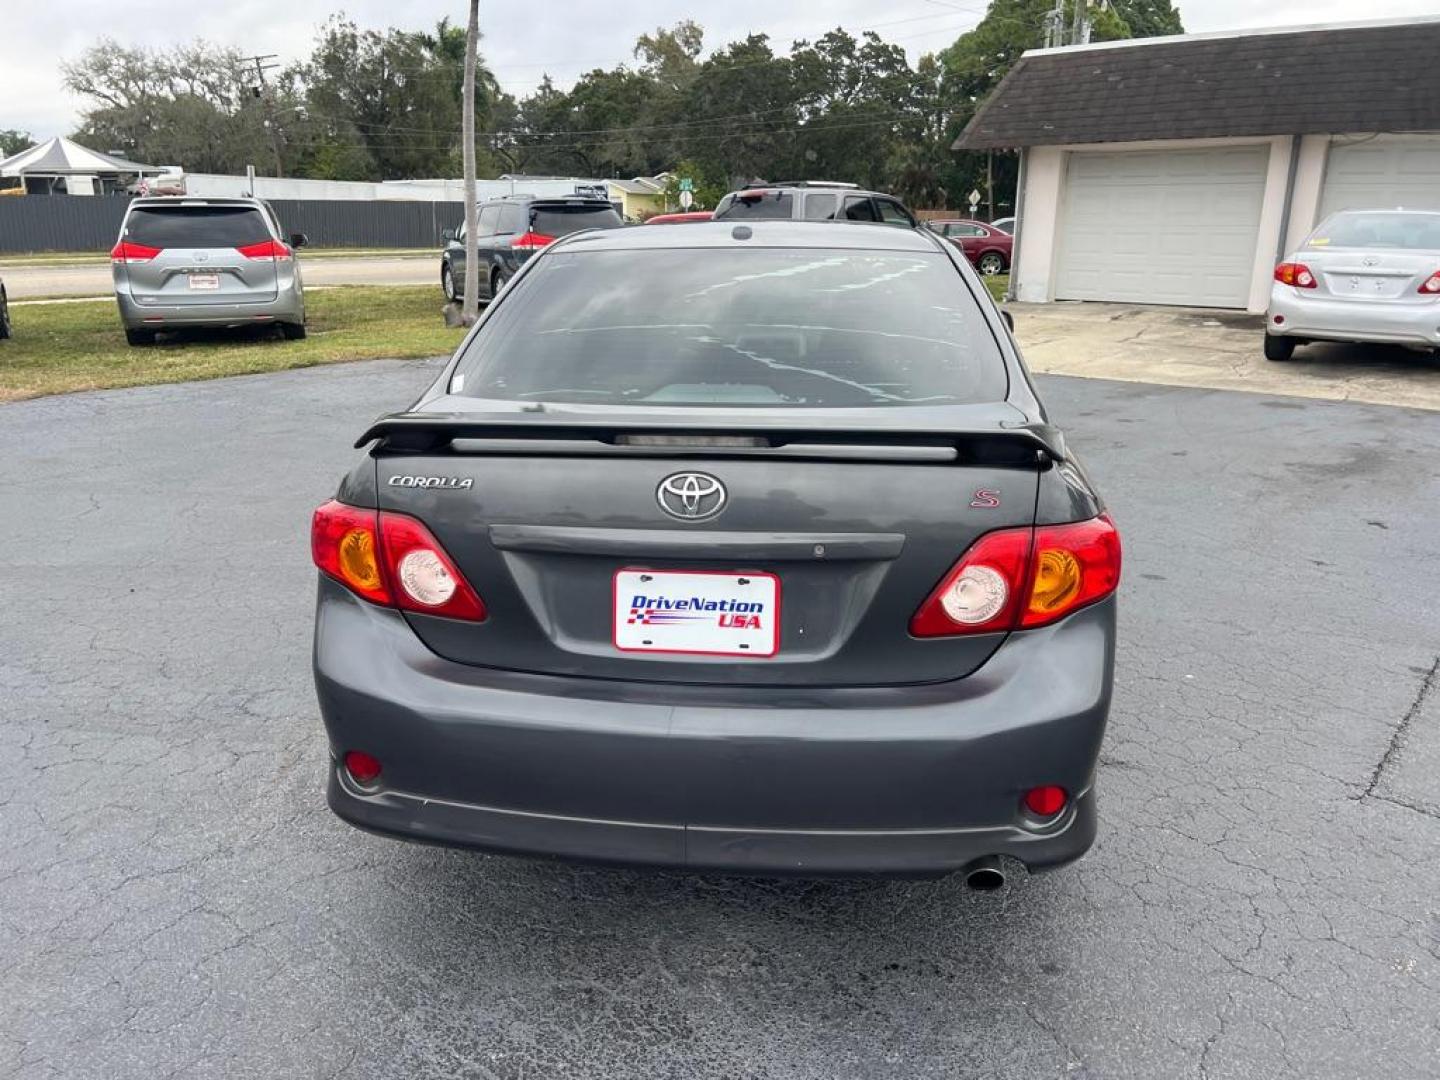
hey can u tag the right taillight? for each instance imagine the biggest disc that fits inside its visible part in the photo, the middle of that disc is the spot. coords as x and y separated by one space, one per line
391 559
1296 274
127 252
531 241
1431 285
1022 578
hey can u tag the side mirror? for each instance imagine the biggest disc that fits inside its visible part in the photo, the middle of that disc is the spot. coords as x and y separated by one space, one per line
448 236
299 240
1009 319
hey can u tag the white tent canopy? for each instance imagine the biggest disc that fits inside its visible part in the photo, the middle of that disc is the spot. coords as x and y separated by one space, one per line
61 157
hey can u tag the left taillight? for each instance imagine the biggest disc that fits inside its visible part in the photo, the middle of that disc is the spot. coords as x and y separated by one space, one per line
127 252
531 241
1016 579
1297 274
266 249
391 559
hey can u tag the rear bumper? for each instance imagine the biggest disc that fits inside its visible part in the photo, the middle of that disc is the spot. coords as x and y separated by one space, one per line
1321 319
900 780
287 307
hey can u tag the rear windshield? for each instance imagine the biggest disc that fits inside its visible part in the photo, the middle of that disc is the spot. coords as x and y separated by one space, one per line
1367 229
756 204
196 226
561 220
758 327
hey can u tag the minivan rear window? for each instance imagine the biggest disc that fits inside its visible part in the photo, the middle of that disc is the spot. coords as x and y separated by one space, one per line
561 220
196 226
778 327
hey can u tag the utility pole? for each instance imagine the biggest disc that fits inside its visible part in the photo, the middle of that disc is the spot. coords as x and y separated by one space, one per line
470 304
262 91
1055 26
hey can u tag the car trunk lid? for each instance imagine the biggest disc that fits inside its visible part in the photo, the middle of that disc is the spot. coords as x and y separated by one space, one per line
837 534
1368 276
202 254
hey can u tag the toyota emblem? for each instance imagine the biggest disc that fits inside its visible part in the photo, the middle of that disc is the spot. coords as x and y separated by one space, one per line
691 496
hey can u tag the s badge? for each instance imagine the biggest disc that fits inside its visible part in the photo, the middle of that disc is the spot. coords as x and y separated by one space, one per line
985 500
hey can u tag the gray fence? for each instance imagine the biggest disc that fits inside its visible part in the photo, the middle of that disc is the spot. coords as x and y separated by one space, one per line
80 223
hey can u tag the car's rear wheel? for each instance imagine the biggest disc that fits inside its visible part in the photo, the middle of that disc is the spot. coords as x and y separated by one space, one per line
1279 348
991 263
497 282
293 331
140 337
447 283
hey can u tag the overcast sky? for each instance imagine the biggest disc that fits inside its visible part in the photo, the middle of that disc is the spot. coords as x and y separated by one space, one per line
522 41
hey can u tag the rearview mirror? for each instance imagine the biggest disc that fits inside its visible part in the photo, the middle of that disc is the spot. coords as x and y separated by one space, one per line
299 240
448 235
1009 319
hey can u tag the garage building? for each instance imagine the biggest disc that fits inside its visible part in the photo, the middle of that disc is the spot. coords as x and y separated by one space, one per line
1179 170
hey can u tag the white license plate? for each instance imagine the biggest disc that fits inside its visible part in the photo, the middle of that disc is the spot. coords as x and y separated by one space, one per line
702 612
209 282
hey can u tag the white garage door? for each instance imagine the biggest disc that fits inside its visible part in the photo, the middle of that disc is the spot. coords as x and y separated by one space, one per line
1161 227
1385 171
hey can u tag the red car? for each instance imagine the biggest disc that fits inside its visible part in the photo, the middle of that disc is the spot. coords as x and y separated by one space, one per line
679 219
987 247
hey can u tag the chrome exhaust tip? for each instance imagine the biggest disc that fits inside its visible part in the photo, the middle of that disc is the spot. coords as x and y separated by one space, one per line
985 875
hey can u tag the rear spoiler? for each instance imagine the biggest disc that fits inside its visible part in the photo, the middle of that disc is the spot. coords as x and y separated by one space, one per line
777 435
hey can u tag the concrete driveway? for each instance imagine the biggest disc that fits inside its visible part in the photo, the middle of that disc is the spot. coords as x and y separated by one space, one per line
93 279
1216 349
176 900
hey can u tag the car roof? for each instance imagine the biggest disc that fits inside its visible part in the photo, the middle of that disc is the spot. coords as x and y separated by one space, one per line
769 233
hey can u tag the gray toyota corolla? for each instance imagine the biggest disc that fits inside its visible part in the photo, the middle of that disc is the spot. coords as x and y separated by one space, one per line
734 547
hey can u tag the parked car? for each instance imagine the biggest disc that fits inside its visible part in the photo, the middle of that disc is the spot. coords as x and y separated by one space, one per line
813 200
1004 224
987 247
4 312
511 229
186 262
1363 275
682 218
816 590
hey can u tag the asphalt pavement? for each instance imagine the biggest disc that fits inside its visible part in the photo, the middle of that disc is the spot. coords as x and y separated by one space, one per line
93 279
177 901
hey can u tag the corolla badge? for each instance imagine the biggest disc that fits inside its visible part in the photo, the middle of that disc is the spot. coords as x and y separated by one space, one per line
446 483
691 496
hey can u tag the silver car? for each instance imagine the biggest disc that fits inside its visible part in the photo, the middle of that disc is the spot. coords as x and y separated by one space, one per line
184 262
1363 275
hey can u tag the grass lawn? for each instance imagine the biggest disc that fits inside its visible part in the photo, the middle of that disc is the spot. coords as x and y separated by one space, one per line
58 348
997 284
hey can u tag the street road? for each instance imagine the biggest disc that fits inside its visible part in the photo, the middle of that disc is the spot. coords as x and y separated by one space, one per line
176 900
93 279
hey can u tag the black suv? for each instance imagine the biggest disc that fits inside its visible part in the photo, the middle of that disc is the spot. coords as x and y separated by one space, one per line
511 229
813 200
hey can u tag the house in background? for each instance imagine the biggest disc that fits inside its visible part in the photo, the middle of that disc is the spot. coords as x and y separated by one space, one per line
1179 170
640 197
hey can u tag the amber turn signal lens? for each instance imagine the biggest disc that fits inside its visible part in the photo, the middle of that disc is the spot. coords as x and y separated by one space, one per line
1057 581
358 564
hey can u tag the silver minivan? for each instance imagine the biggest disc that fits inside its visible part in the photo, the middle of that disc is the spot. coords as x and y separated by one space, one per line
184 262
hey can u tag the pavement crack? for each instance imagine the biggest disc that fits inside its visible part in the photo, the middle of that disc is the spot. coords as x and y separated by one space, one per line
1397 737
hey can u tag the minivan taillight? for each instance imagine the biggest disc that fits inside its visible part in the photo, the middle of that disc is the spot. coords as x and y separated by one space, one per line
392 560
1016 579
128 252
531 241
265 249
1296 274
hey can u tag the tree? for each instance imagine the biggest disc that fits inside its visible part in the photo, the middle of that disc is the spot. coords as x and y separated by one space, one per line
472 258
12 141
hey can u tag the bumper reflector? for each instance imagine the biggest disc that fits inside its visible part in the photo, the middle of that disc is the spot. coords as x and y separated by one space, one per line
363 768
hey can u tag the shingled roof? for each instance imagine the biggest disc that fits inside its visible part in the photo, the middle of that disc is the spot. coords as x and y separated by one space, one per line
1380 77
